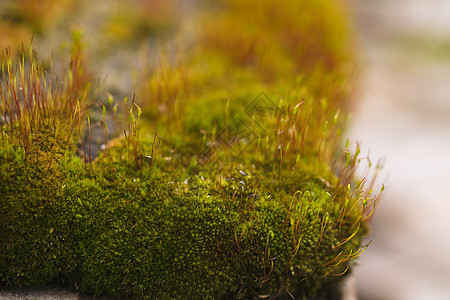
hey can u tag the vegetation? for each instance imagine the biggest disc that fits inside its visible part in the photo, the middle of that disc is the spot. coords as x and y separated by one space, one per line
226 182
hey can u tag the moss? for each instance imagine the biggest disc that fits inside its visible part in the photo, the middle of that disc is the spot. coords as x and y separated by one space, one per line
30 253
141 234
144 237
133 24
279 39
27 13
222 185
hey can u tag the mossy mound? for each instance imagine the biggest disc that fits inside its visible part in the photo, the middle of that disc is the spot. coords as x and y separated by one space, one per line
145 234
224 185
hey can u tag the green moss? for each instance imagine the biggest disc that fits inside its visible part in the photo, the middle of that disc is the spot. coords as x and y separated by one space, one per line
132 24
222 186
142 234
29 252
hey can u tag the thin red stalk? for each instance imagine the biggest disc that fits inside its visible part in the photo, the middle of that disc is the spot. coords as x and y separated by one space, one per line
89 130
128 144
79 133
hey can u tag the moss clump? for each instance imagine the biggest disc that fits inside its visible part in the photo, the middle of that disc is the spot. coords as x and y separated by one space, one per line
223 185
148 236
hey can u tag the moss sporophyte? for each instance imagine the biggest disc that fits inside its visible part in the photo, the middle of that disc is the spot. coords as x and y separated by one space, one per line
222 178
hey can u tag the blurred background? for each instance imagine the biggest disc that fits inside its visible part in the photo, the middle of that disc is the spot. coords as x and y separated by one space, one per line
404 116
